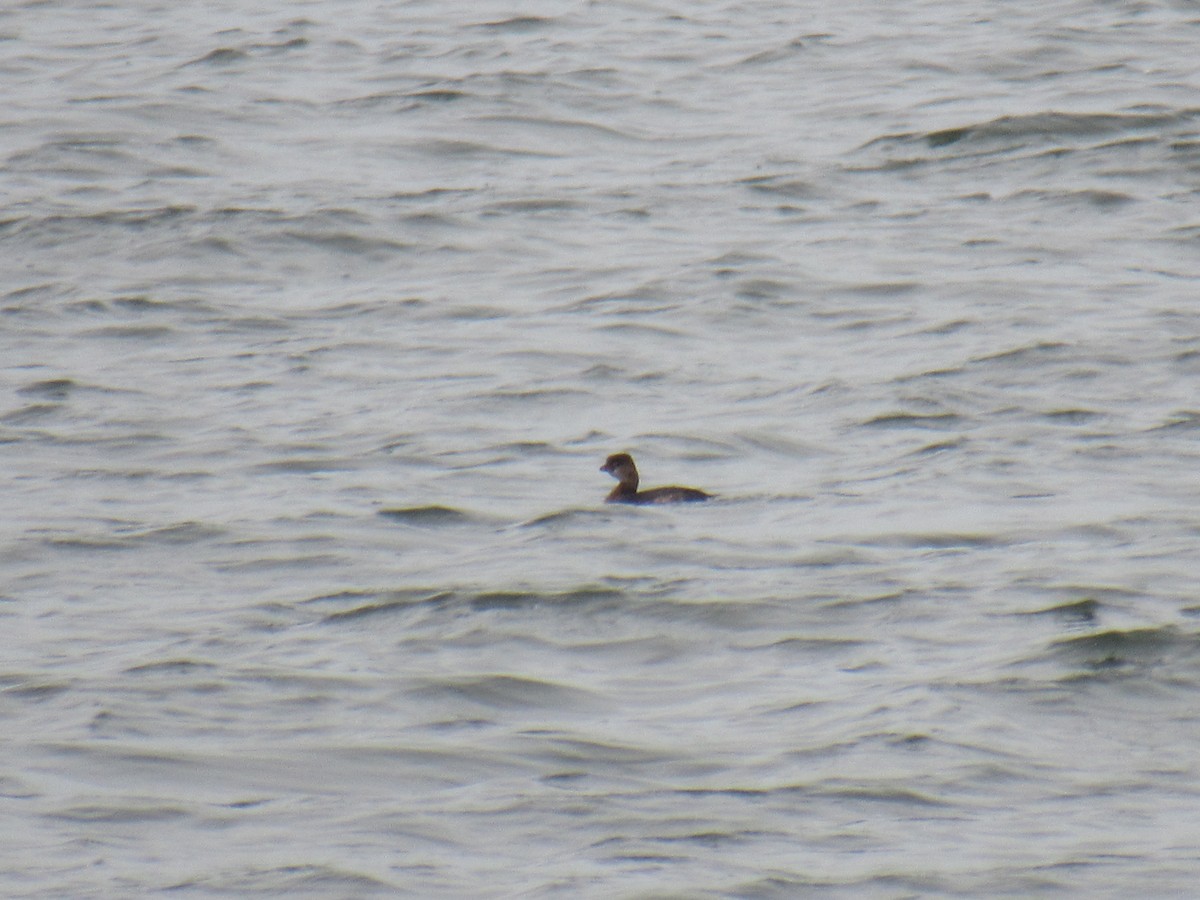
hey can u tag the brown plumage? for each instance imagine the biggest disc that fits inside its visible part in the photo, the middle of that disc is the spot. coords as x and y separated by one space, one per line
620 466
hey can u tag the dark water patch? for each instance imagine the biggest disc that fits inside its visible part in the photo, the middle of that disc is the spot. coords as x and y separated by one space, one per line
763 289
1184 420
781 186
441 148
362 604
571 516
531 205
538 396
222 56
574 752
712 840
634 330
428 516
384 102
1094 198
171 667
808 646
180 533
781 54
143 305
1080 612
519 24
1043 126
121 815
20 297
31 413
306 466
382 607
58 228
858 794
951 326
51 389
881 289
435 196
770 442
297 562
301 880
527 449
439 95
296 43
348 243
936 541
524 599
251 325
1022 356
939 447
132 332
735 261
505 692
354 596
1071 416
1189 358
604 372
922 421
1134 651
88 544
33 689
931 373
646 300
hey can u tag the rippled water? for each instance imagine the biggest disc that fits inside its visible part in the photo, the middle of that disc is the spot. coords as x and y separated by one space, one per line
317 321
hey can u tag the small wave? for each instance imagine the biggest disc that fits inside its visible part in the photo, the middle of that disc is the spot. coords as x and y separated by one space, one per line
171 666
567 516
781 186
781 445
222 56
935 541
305 465
915 420
29 413
347 242
439 95
179 533
1021 356
301 880
1129 651
51 389
439 148
427 516
366 610
363 604
114 814
517 24
506 692
1185 420
133 332
939 447
1094 198
520 599
1044 125
531 205
1071 416
35 689
1086 610
783 53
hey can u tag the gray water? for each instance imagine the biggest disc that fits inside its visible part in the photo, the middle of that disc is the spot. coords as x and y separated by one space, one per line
317 321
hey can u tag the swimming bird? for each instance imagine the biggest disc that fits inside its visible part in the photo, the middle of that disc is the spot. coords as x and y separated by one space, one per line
620 466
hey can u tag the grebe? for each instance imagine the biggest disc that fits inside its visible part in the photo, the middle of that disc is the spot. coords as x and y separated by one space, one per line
620 466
